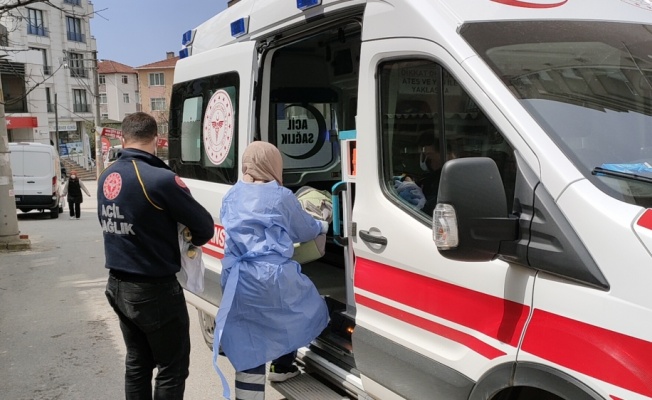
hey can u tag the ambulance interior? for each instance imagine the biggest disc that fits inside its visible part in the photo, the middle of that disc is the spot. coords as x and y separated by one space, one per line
309 96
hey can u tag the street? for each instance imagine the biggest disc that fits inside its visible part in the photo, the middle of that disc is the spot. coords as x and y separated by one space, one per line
59 338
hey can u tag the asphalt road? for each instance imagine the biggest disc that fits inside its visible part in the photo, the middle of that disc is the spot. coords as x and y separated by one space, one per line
59 339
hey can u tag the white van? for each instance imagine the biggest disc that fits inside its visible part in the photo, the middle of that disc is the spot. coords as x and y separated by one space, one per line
37 177
527 124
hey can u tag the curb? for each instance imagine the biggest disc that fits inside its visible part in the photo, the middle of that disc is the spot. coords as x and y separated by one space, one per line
16 245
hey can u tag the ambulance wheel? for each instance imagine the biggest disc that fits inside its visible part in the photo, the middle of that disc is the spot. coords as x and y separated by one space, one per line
207 324
54 212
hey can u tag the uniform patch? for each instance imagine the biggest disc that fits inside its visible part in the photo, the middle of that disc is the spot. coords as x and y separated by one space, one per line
112 186
180 182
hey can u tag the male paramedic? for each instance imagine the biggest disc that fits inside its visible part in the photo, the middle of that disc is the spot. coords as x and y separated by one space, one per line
140 204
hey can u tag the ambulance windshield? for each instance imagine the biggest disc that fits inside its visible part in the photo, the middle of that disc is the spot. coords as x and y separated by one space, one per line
589 85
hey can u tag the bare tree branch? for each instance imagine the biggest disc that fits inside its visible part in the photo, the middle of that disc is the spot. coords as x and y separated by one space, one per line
21 3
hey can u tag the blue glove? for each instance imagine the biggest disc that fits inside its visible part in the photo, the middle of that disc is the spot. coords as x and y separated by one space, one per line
410 193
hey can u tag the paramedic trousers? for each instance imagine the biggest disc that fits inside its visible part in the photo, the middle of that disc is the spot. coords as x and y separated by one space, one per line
155 327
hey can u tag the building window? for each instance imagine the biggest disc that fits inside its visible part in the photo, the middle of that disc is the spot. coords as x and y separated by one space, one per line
103 99
125 79
157 79
162 128
125 97
79 98
73 2
48 100
35 24
75 30
76 65
46 65
4 36
102 79
158 104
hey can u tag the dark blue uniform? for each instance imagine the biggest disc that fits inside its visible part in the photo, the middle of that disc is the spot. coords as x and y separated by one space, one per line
140 204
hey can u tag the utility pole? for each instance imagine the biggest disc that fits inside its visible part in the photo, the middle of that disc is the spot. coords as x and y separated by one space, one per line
10 238
99 159
56 125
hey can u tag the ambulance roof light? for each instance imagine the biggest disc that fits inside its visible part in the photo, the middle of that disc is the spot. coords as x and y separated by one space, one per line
183 53
240 27
187 37
306 4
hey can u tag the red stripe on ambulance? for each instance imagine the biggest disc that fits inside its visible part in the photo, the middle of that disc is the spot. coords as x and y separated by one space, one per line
494 316
465 339
215 246
609 356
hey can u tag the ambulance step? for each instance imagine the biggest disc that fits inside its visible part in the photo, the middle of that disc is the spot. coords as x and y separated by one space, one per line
305 387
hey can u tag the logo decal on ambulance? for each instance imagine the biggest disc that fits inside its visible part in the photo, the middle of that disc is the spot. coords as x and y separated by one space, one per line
218 127
644 4
112 186
532 3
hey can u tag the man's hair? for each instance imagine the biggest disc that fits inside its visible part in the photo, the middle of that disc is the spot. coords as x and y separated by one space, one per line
139 127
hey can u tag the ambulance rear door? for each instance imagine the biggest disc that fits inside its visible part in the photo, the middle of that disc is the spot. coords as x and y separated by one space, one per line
211 120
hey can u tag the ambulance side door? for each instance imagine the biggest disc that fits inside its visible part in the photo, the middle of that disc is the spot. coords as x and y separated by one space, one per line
426 327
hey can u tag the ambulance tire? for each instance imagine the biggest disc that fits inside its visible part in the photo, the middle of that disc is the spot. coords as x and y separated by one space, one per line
207 325
54 212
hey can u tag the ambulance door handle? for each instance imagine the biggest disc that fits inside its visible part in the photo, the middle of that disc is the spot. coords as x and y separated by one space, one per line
31 181
368 237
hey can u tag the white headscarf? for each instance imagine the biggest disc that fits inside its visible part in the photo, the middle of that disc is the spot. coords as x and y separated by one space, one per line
262 161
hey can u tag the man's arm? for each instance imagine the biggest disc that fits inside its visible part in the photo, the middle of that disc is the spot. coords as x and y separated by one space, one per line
187 211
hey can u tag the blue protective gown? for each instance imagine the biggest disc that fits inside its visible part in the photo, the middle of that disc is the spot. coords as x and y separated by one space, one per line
275 309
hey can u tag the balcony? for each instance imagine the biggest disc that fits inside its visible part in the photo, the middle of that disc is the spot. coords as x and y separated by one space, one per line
76 37
37 30
78 72
72 2
82 108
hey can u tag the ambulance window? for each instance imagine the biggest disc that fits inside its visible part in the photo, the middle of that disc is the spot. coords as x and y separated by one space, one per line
203 128
191 129
427 118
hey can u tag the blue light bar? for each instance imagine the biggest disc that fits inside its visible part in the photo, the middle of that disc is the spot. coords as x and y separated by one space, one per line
240 27
306 4
187 38
183 53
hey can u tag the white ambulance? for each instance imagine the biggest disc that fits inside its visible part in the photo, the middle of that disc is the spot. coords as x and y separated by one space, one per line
525 125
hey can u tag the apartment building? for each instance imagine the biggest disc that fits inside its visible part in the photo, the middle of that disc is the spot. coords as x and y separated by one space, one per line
47 74
119 93
155 85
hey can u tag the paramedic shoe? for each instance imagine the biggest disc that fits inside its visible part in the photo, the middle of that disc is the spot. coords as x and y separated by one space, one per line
281 373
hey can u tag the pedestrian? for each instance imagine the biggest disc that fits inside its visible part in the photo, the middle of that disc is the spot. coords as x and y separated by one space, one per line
140 204
269 308
73 191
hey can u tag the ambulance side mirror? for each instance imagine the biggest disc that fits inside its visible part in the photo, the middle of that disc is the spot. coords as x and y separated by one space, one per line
471 217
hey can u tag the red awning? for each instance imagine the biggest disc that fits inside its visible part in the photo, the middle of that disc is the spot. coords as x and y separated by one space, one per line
21 122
